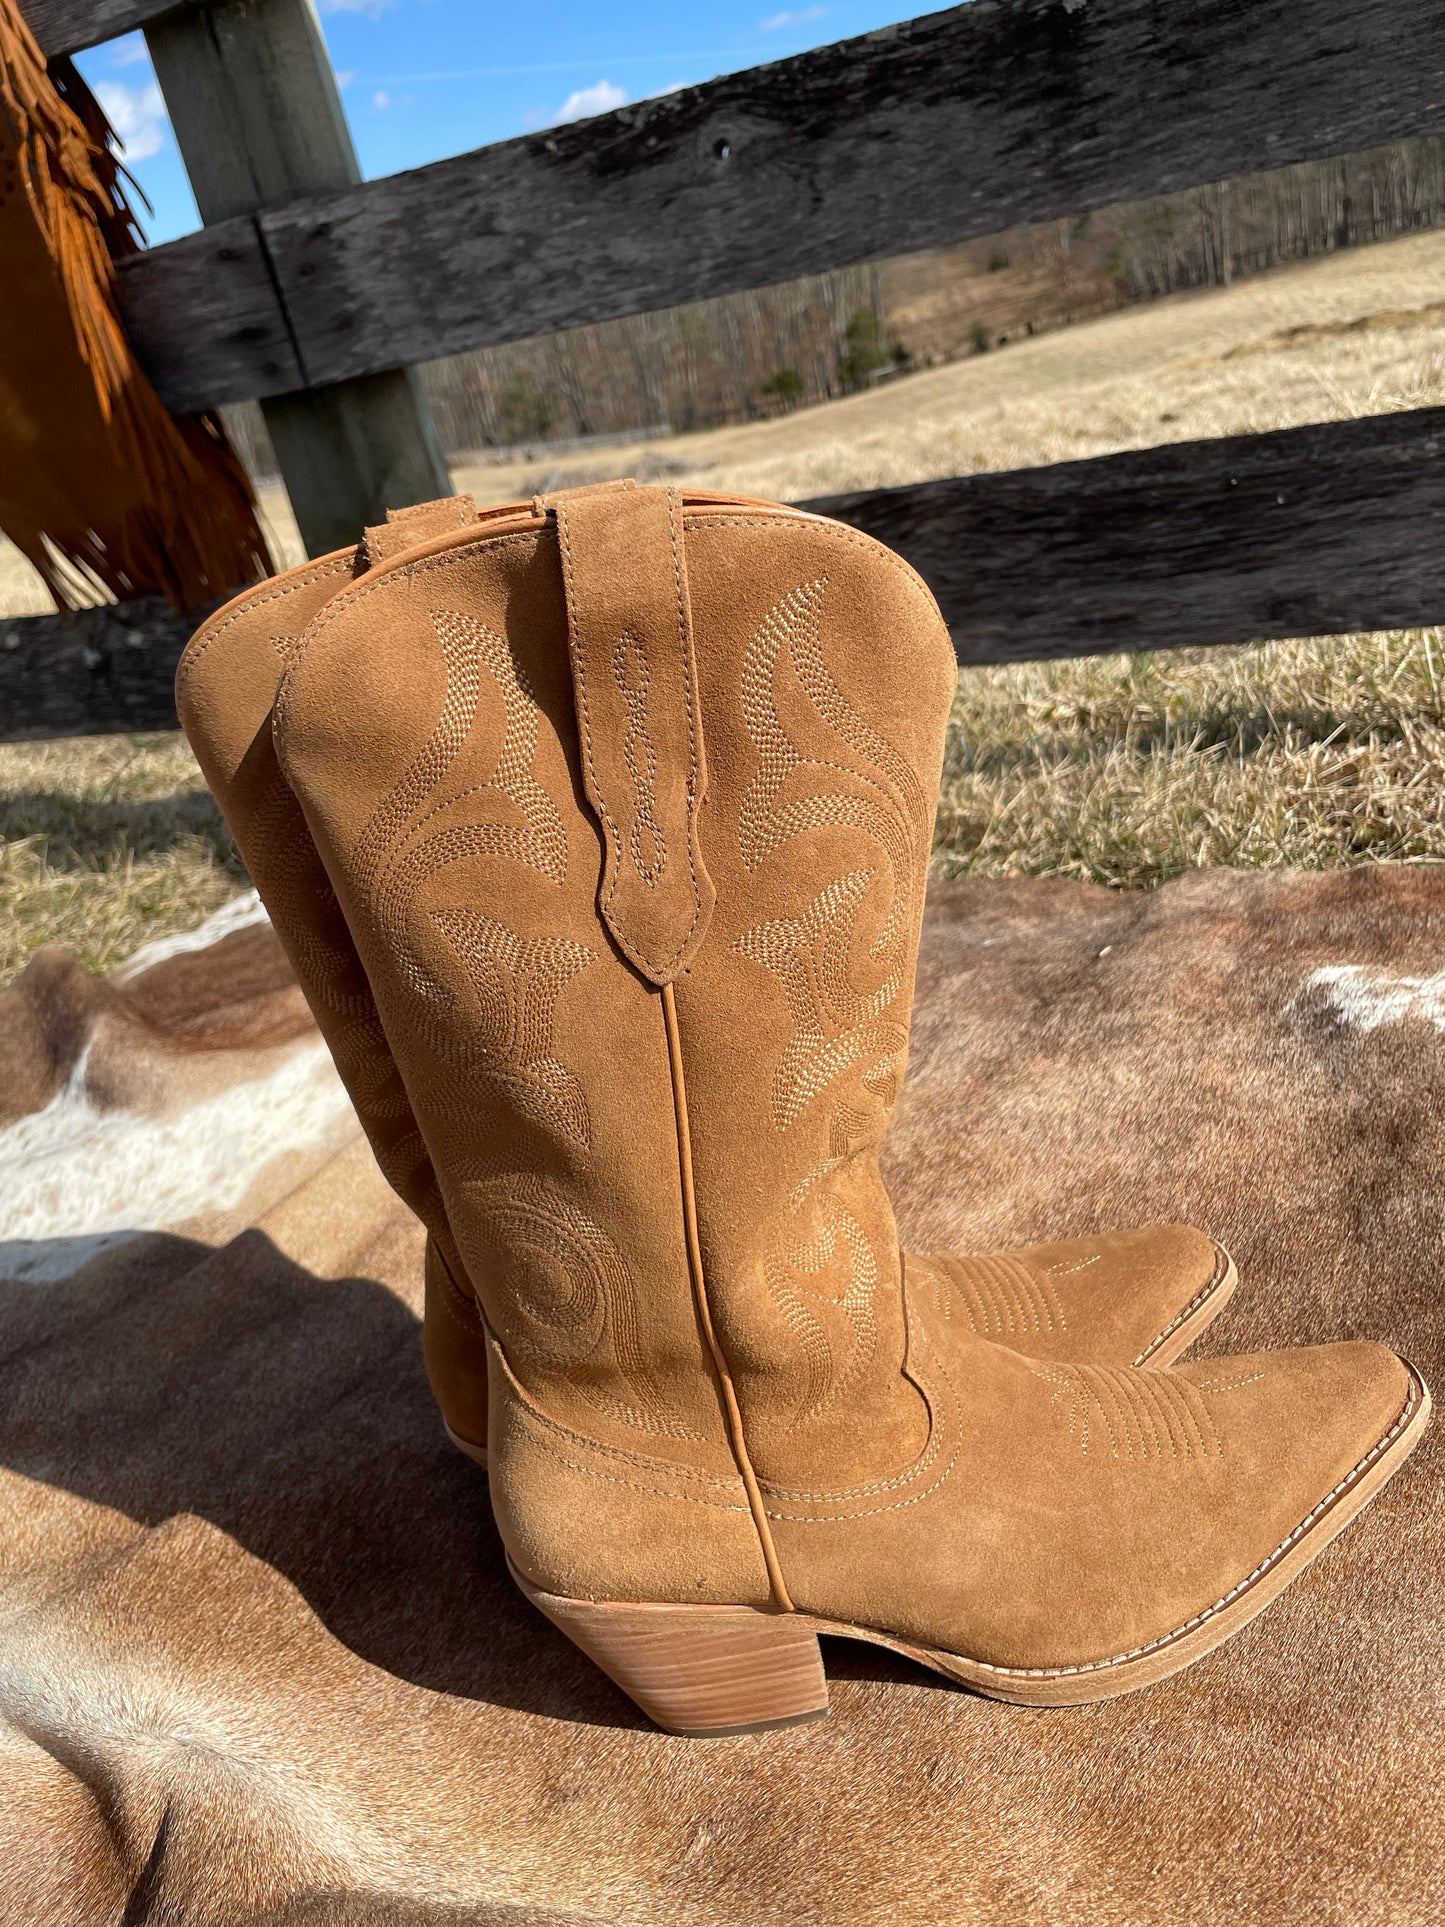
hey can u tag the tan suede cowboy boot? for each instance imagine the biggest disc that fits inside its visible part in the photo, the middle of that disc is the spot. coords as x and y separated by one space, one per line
1123 1298
651 1044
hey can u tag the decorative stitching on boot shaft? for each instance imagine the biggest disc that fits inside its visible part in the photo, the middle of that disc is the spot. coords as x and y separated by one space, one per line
526 1215
820 764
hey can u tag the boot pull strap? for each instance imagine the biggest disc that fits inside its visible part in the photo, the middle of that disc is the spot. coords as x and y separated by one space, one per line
403 528
634 680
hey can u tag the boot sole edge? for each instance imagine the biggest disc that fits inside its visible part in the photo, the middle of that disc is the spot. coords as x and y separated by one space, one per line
1167 1348
651 1650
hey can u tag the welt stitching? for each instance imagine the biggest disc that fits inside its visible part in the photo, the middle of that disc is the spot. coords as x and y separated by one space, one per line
1199 1619
1220 1273
197 648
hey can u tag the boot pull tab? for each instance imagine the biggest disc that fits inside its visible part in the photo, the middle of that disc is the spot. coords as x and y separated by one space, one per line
403 528
634 681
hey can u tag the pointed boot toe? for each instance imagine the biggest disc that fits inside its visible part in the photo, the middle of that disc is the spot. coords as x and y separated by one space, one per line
1113 1526
1136 1297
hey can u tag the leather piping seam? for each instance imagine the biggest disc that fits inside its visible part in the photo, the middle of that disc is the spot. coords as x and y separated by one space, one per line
1221 1272
1201 1618
207 634
781 1597
655 1468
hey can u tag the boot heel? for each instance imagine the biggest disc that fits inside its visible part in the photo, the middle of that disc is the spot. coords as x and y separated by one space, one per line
703 1671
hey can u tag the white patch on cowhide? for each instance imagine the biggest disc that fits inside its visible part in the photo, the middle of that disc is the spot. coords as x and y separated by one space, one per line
241 913
1366 999
75 1179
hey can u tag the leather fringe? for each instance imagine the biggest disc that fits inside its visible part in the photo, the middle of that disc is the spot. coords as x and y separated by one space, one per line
105 491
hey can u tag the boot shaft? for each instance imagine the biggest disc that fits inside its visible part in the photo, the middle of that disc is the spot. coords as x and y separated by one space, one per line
502 747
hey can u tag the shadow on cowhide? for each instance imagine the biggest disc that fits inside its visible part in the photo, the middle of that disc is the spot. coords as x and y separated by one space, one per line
259 1661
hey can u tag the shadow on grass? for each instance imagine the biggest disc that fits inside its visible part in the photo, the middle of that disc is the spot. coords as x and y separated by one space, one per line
88 833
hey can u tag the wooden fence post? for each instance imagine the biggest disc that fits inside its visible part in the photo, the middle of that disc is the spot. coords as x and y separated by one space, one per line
259 122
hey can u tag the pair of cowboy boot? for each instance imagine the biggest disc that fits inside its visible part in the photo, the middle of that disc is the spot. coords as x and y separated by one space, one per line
597 832
1134 1297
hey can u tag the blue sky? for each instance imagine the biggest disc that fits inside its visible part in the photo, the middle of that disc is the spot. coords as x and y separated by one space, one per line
425 78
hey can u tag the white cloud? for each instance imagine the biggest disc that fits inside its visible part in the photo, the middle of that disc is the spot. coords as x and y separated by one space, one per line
371 9
138 115
381 100
129 52
804 15
600 98
345 77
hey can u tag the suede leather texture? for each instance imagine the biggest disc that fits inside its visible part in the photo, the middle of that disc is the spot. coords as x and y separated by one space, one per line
226 686
426 723
634 680
1112 1300
1104 1301
1027 1514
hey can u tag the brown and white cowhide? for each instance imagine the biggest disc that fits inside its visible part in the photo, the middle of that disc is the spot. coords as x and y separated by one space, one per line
259 1658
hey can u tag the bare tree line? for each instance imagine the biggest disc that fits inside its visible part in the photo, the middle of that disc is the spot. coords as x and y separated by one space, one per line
766 350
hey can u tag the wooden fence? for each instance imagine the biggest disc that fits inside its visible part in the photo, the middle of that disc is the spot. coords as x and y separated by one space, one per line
316 292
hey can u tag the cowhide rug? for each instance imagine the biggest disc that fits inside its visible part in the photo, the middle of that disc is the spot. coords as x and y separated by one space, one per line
259 1659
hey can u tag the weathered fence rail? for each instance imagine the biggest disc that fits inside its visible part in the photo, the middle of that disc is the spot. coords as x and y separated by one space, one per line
1305 531
953 125
98 672
1300 532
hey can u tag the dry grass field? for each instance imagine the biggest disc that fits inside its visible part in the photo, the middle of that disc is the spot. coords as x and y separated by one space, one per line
106 842
1124 770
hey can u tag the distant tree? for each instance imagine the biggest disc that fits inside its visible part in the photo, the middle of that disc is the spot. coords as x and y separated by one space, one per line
786 385
865 348
526 413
